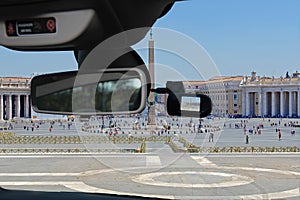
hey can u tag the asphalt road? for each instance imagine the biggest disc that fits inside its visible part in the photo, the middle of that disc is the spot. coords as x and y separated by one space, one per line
165 175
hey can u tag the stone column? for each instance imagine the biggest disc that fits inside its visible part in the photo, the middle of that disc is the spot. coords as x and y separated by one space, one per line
273 104
247 103
29 106
282 104
1 107
9 107
291 103
298 104
244 103
18 105
259 103
26 107
265 107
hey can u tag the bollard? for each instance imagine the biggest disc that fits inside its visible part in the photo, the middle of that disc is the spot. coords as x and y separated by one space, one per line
138 150
185 150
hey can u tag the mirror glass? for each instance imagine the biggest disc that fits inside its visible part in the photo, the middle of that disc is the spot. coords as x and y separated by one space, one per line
115 92
190 103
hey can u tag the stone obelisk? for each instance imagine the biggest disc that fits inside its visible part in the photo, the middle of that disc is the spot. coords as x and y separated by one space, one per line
151 98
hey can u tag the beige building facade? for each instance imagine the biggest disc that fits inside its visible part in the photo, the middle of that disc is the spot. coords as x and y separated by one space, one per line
224 91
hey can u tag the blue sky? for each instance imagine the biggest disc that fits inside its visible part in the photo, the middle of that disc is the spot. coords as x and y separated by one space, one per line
243 35
239 35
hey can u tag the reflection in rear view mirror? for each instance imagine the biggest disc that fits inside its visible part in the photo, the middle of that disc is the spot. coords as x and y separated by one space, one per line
190 104
121 91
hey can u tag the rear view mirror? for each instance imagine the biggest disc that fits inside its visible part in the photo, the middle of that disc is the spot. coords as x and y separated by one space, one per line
189 105
113 91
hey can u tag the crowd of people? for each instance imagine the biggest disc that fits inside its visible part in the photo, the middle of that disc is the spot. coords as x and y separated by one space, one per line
169 125
249 128
34 125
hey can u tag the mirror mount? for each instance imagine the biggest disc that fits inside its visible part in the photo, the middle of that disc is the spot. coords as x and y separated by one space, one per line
128 59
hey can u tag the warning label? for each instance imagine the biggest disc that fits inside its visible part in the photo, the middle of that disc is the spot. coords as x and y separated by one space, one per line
31 26
11 28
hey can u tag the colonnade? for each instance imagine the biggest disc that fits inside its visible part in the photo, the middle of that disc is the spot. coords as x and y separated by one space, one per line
272 103
14 105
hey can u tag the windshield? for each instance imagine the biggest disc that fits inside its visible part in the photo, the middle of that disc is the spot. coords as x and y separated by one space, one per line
243 54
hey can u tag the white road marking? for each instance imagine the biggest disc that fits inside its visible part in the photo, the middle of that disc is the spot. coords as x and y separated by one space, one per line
81 187
236 180
153 161
132 155
203 161
274 195
35 183
86 173
66 155
255 155
38 174
290 173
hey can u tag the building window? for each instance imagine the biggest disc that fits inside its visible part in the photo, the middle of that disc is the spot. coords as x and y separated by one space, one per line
235 105
235 97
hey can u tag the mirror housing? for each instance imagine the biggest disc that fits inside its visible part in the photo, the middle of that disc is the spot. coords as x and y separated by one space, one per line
180 103
102 92
189 105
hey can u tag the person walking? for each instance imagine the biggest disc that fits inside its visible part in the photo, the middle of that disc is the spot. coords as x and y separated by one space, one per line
247 139
292 132
279 135
211 137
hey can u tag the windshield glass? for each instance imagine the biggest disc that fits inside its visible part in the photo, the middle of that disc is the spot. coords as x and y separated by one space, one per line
243 54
